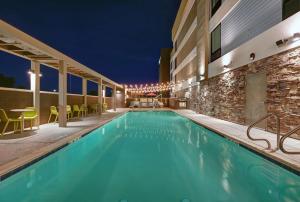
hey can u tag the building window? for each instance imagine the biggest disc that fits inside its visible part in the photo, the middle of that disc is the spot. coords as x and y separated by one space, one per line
216 43
175 63
289 8
215 5
175 46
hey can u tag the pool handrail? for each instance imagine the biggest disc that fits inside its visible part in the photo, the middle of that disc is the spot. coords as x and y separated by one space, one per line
285 137
262 139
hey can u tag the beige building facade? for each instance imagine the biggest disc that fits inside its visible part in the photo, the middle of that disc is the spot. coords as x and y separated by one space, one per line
238 60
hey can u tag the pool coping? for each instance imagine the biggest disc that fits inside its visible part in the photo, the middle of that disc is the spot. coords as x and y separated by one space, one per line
17 165
284 163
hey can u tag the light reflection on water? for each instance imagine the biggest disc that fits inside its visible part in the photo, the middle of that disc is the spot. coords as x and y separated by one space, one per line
140 154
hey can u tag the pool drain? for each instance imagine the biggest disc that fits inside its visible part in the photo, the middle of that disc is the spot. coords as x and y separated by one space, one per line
123 200
185 200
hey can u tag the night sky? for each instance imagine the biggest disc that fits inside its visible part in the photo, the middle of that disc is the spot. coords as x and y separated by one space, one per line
121 39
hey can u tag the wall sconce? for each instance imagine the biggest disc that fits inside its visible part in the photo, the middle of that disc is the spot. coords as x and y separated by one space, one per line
31 72
252 56
291 39
281 42
226 66
296 37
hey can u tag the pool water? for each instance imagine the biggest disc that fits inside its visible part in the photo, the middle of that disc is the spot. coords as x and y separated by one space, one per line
152 157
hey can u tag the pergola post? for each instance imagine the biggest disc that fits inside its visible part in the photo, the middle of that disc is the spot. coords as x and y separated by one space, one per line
84 91
104 93
35 87
62 96
114 98
100 95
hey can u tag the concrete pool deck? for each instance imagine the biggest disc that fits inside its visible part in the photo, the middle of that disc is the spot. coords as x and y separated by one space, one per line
36 143
237 133
17 152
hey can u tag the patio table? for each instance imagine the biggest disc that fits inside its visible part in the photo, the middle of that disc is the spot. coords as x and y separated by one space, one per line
22 115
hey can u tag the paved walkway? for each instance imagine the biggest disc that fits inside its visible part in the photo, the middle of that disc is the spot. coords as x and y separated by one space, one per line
47 136
238 133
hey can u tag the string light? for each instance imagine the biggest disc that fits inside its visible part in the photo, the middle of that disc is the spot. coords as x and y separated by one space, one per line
146 88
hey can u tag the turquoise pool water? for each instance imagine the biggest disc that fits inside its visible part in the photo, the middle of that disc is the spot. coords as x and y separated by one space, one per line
152 157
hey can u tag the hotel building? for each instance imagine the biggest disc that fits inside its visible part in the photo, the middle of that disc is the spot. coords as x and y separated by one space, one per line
238 60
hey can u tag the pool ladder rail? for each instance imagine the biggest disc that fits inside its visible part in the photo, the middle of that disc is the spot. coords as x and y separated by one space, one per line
263 139
280 138
284 137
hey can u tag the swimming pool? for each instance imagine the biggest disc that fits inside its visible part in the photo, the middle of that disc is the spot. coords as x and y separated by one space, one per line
152 157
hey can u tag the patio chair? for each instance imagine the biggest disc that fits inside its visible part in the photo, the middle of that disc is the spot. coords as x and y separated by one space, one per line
104 107
94 108
6 120
76 110
134 104
83 110
53 112
69 112
30 116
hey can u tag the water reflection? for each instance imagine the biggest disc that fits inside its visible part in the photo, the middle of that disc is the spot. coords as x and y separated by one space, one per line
137 156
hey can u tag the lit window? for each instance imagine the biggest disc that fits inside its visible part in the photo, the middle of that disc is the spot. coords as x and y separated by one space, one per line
216 43
289 8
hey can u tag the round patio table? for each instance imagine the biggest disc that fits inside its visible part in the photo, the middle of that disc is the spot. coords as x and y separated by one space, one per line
22 115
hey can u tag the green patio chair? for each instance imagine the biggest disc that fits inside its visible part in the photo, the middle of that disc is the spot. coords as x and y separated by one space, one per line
76 110
104 107
53 112
30 116
69 112
94 108
83 110
6 120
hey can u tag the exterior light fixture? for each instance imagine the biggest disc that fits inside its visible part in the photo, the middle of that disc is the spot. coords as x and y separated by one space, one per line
252 56
226 66
54 90
281 42
31 72
296 37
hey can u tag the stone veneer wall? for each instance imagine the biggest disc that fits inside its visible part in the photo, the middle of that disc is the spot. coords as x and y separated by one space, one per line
224 96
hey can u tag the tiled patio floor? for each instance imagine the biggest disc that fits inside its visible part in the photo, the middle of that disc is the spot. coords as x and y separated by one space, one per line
238 133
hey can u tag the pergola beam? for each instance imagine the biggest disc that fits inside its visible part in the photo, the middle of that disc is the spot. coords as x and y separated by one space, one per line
28 44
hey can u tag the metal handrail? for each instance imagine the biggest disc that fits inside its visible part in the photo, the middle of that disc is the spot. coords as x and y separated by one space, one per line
286 136
262 139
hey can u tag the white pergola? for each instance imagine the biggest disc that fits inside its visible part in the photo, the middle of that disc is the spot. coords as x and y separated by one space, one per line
16 42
